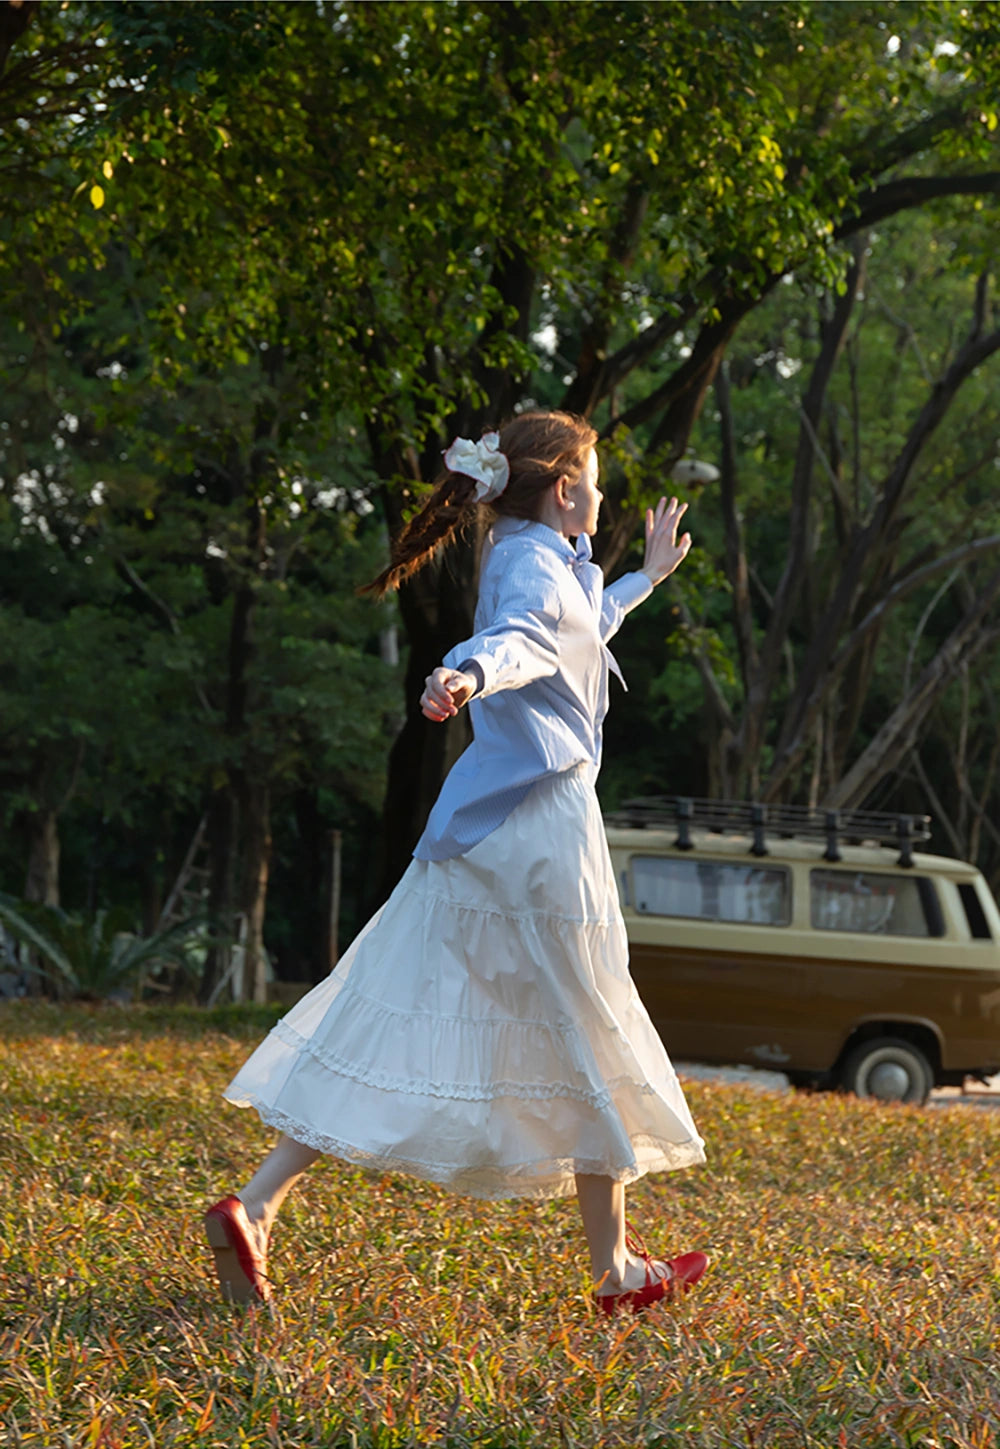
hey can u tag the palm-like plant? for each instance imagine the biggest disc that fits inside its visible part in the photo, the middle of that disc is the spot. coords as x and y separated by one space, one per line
94 957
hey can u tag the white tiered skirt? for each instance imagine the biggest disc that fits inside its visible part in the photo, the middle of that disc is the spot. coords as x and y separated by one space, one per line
483 1032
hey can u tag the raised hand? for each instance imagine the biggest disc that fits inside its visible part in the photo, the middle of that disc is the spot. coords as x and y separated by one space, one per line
445 692
664 550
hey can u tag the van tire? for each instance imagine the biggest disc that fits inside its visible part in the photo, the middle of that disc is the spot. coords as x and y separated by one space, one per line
888 1069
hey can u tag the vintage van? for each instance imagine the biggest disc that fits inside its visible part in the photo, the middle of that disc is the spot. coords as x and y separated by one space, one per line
817 944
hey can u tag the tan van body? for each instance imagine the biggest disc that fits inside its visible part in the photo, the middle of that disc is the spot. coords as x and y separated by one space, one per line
858 972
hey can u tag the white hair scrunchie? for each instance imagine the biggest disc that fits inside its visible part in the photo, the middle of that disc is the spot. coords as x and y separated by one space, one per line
482 461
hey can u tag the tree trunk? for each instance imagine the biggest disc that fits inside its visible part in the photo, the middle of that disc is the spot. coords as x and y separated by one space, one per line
438 608
758 700
223 818
230 891
256 834
736 559
42 878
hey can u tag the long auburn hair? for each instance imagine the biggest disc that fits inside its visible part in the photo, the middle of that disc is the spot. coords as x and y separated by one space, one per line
539 446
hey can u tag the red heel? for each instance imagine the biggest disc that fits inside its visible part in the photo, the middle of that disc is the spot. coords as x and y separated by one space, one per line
241 1268
685 1272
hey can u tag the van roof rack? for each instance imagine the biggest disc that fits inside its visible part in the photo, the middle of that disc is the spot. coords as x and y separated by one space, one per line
799 822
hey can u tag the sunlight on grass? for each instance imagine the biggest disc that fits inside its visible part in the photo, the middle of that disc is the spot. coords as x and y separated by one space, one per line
852 1299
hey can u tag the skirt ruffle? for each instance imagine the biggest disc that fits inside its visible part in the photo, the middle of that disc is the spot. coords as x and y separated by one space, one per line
482 1032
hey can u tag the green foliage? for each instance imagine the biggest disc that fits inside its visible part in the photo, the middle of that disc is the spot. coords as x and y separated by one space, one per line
915 310
329 237
457 139
97 957
126 547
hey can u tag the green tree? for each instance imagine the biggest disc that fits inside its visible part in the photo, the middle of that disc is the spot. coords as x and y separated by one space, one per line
209 645
636 178
856 437
414 218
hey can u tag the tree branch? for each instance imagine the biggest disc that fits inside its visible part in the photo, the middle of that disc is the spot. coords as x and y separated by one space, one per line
874 159
897 735
870 206
616 368
974 351
165 612
15 17
588 386
713 693
786 761
832 336
736 559
936 804
691 379
878 202
513 278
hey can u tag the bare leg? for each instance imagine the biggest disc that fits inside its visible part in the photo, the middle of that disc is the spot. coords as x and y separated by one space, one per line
602 1208
270 1184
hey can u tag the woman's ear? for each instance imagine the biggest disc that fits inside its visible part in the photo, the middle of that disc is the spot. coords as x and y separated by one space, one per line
564 484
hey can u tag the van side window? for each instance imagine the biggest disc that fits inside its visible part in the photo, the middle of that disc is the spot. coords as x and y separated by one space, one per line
979 926
711 890
874 903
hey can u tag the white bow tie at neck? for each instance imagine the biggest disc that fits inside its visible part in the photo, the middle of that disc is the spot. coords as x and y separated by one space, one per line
481 461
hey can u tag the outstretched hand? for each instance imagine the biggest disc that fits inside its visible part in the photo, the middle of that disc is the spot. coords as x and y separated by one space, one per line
664 550
445 692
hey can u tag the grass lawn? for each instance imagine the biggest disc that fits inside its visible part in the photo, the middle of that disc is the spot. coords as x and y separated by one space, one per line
853 1298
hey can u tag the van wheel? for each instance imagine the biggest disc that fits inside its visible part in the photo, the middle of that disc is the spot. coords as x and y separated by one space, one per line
888 1069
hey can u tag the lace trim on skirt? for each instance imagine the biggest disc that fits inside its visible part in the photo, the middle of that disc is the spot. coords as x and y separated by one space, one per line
547 1179
454 1091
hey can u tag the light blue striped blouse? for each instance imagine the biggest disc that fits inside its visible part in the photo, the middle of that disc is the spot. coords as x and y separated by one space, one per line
539 648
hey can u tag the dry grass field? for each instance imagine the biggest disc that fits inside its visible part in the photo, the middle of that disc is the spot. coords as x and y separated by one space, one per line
853 1298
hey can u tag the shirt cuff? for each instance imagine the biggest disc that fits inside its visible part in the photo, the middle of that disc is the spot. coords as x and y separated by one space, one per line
631 589
481 666
473 667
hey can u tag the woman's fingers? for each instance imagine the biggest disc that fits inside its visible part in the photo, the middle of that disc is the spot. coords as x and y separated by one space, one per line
436 702
665 518
664 512
445 690
674 515
664 551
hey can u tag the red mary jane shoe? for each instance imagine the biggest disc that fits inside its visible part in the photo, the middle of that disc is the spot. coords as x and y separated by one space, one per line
684 1274
241 1268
